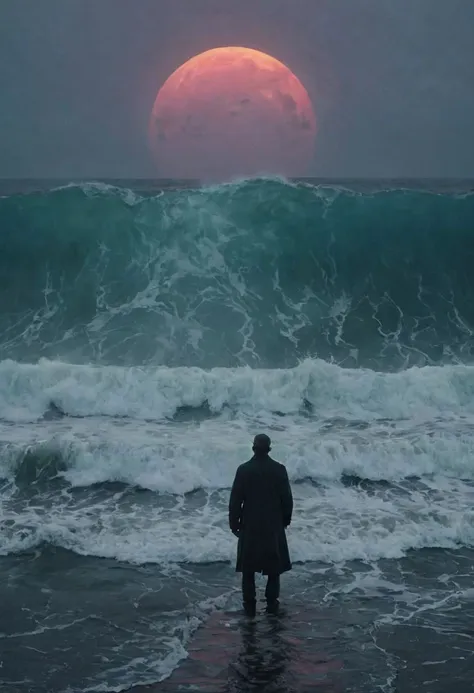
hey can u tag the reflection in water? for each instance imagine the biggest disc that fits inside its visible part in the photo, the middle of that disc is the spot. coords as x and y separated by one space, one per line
263 660
273 659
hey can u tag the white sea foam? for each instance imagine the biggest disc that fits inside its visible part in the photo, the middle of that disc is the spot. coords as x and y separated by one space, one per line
180 458
391 427
330 524
26 390
156 663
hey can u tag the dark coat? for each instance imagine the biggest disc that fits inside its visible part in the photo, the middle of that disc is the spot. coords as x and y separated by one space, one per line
260 507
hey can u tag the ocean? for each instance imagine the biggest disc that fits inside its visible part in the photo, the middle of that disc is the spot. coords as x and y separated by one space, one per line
147 333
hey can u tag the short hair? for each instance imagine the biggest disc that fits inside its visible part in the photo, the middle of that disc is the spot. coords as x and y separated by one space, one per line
262 442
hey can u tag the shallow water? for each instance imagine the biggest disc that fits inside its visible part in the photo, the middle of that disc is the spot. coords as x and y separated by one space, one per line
87 623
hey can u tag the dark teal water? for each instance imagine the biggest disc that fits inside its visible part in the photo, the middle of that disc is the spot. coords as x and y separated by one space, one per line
342 317
259 272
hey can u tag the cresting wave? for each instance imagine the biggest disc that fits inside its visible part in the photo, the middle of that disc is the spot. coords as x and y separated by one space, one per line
179 463
262 273
328 422
143 340
316 389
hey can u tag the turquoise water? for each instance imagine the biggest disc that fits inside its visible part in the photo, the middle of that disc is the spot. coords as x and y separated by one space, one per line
145 337
262 273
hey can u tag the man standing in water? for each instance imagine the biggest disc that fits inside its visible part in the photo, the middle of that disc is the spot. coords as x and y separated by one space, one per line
260 508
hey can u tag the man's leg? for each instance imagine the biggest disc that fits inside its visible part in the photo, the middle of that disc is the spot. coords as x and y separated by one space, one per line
248 588
272 590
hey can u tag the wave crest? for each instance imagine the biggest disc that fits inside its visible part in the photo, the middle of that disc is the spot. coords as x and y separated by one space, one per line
261 272
315 388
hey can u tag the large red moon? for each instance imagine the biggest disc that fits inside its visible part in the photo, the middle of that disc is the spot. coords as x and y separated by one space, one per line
231 112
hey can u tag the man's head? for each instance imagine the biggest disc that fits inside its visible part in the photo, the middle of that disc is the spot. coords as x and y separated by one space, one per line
261 444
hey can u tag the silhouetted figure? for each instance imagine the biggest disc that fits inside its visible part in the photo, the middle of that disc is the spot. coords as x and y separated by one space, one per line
260 507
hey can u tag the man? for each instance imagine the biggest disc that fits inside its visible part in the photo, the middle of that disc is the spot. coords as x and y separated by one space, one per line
260 508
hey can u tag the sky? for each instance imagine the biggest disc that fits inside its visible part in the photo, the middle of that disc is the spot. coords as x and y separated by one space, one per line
392 81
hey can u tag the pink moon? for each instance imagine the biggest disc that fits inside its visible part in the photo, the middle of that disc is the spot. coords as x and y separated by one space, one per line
232 112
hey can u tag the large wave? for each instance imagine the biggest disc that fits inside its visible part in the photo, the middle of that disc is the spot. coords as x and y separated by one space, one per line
261 273
316 389
95 424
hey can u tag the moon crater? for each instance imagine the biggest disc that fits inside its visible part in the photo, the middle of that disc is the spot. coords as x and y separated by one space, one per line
230 112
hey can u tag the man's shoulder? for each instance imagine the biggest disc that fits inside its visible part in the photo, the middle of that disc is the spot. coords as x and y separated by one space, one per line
252 464
244 466
278 465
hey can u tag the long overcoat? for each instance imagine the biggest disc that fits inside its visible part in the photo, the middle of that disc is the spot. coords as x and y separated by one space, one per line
260 507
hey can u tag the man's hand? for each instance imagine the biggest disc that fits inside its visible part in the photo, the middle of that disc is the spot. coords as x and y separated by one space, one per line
236 533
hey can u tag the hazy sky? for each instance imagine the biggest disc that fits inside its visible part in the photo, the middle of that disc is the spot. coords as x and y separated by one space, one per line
392 81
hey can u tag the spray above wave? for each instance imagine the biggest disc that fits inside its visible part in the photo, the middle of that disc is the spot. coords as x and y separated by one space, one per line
259 272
